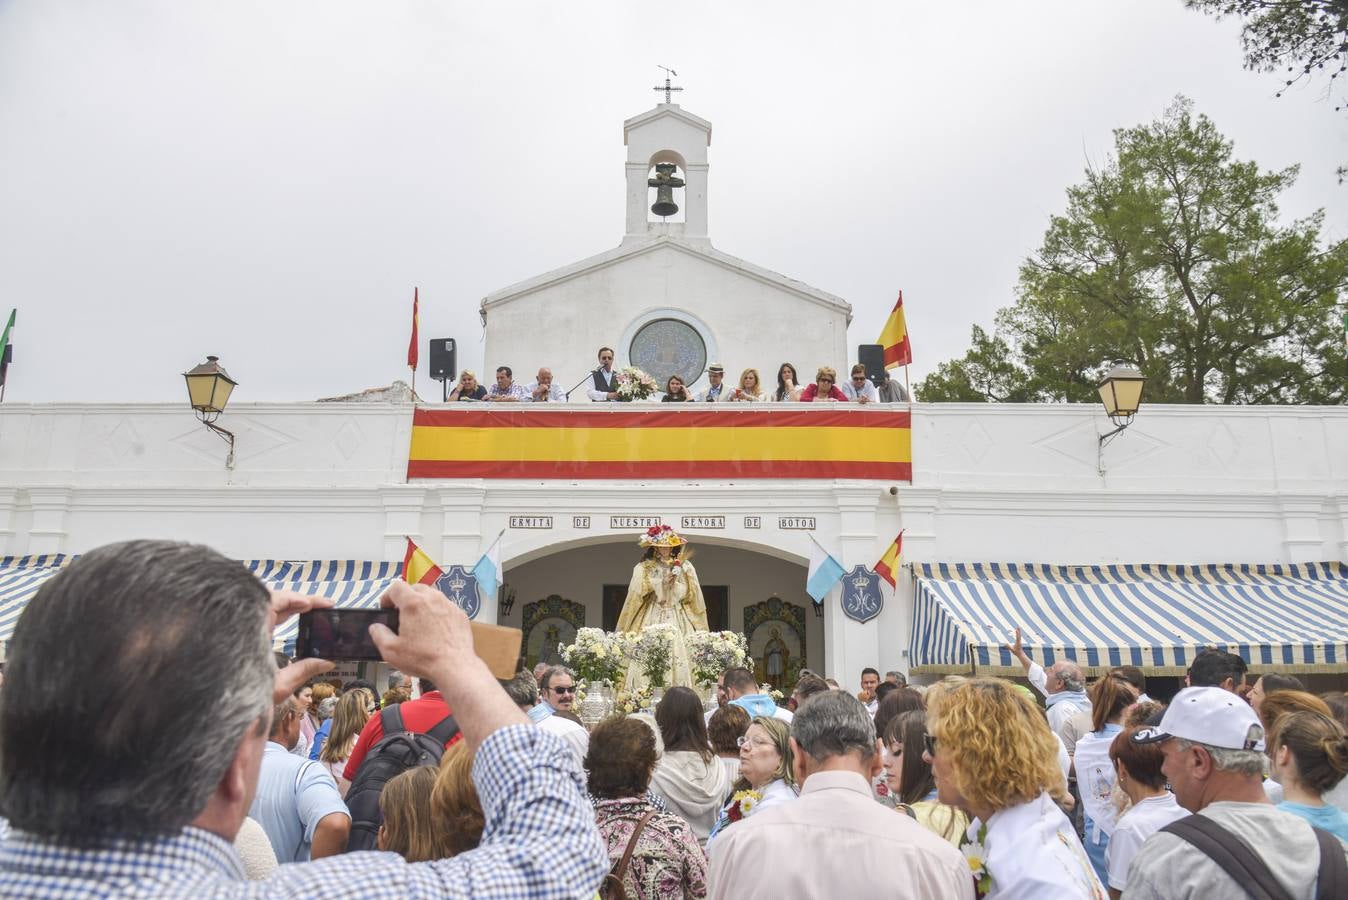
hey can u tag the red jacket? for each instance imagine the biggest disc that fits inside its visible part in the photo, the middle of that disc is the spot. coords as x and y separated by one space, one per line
811 394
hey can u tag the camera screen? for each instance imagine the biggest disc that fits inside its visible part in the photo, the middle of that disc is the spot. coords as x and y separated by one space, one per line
341 634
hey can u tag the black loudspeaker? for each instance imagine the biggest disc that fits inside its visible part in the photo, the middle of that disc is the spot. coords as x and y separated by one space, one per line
443 358
872 356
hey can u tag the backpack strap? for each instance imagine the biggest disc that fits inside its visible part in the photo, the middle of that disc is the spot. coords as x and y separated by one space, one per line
1233 855
620 868
1332 880
392 720
444 730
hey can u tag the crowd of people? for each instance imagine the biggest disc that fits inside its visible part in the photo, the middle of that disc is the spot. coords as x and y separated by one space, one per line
187 761
601 386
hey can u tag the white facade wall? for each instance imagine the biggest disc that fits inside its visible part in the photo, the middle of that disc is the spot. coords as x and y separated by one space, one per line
749 321
991 483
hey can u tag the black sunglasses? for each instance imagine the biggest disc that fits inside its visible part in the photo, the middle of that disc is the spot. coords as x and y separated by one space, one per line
563 690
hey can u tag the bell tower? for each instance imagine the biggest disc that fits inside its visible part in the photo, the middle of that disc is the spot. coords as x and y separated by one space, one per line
666 173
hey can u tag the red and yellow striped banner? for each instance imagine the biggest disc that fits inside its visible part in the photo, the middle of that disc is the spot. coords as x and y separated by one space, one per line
684 442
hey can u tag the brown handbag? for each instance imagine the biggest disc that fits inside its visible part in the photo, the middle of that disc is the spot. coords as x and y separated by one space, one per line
611 888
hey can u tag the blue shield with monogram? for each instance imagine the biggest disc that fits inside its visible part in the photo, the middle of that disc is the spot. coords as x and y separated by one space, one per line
861 597
459 585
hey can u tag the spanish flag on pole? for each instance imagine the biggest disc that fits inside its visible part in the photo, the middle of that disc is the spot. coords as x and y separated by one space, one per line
412 345
889 563
894 338
418 567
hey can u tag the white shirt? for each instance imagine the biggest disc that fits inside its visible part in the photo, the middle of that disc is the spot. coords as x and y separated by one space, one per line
555 395
834 841
1140 822
574 736
601 396
1060 712
867 390
1033 853
722 394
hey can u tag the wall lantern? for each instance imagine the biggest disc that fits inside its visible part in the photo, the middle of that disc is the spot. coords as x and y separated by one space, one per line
507 599
208 390
1121 393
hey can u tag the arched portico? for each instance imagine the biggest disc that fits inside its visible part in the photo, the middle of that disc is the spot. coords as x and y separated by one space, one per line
739 577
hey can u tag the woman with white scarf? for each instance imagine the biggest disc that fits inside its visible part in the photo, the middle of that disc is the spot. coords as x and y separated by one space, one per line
688 776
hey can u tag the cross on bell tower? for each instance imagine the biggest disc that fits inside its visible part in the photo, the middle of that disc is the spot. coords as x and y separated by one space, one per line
668 89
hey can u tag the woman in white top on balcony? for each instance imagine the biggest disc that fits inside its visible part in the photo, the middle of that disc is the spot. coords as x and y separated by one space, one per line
750 389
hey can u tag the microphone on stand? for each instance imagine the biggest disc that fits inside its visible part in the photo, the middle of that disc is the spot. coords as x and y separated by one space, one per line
588 375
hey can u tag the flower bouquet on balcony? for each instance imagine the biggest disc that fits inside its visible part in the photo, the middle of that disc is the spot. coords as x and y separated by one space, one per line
712 652
634 384
652 650
596 655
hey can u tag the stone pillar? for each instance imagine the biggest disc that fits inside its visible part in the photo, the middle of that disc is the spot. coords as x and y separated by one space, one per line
403 506
48 532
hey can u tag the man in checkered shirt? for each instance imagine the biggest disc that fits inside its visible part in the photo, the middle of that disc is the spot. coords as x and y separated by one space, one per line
137 702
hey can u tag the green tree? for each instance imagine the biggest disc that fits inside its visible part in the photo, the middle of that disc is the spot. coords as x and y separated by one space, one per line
1301 38
1170 256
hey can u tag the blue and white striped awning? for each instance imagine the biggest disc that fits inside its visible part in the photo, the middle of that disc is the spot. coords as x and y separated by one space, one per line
1285 617
350 584
20 577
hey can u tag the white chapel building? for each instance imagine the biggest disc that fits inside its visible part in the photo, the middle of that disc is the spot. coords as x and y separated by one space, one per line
1196 526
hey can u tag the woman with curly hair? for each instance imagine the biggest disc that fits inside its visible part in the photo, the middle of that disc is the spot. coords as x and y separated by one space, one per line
666 862
993 756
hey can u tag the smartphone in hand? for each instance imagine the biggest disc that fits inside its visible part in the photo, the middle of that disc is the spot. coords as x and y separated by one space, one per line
341 634
344 634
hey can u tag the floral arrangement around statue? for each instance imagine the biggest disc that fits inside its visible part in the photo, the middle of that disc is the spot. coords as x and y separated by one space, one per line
712 652
634 384
651 650
632 702
596 655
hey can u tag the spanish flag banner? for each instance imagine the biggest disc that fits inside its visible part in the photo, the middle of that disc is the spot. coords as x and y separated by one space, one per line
889 563
894 338
418 568
689 442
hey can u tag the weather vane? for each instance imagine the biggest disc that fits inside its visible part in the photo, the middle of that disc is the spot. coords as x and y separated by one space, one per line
668 89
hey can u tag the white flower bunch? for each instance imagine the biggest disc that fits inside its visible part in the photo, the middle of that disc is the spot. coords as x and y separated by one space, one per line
596 655
652 650
634 384
712 652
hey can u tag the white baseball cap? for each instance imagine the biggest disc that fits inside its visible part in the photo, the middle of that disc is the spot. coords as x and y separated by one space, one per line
1208 715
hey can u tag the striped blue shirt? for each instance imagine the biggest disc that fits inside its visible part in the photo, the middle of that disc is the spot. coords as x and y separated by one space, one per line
540 841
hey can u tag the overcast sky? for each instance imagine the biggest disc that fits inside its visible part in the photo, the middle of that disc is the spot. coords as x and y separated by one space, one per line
266 181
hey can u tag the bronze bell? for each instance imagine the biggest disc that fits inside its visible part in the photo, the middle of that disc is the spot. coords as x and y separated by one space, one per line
664 183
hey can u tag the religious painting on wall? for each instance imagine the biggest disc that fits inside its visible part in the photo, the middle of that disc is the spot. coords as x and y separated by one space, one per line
548 623
776 633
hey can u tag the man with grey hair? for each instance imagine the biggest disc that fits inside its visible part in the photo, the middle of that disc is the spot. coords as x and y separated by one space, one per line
164 649
524 692
558 688
1063 686
834 840
297 802
898 679
1214 760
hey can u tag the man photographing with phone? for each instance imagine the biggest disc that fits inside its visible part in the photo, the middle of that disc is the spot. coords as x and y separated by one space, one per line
143 787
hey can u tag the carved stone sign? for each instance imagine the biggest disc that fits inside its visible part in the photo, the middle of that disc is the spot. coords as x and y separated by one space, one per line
702 522
624 522
795 523
753 521
580 521
531 521
861 596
